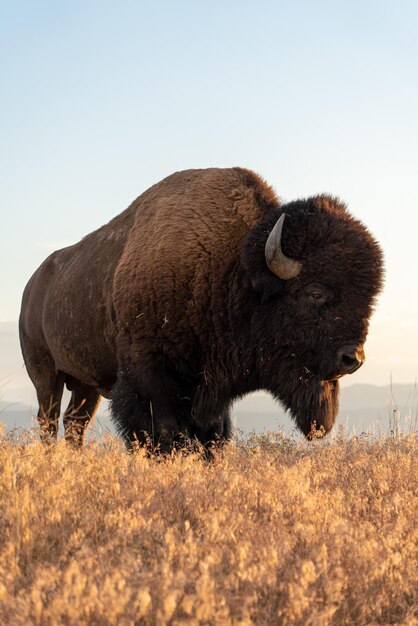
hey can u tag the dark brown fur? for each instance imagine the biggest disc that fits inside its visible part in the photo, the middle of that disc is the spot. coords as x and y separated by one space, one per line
171 311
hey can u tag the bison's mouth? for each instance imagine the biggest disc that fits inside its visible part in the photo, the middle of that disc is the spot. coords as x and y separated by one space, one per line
329 378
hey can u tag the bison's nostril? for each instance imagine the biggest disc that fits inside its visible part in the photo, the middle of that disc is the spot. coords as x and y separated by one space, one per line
349 359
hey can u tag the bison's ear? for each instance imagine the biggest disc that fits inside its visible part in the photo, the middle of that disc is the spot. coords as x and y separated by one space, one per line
259 276
266 285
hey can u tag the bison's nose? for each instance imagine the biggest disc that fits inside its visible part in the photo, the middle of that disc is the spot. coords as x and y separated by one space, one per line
349 359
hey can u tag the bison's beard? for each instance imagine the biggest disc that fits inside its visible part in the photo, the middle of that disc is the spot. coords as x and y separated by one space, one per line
313 404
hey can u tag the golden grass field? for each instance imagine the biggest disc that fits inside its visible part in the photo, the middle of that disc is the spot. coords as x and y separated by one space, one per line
272 531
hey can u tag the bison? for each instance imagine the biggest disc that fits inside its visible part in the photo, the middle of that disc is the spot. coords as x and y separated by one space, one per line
206 288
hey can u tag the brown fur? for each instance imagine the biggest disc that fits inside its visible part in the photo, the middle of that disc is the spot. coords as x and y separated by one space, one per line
169 309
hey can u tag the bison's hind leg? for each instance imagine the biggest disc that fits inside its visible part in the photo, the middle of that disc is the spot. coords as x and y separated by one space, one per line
83 405
48 382
49 391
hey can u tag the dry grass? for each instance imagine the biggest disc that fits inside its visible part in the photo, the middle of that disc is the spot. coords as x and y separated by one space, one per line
271 532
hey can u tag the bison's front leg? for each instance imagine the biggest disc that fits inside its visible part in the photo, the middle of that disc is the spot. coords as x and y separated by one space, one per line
215 431
150 421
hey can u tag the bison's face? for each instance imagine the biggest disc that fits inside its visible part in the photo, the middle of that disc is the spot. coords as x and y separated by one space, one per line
322 271
328 332
321 336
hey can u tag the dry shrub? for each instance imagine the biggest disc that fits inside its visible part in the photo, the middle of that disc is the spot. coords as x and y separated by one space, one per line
269 532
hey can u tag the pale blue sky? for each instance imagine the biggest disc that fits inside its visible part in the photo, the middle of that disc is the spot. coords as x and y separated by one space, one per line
101 99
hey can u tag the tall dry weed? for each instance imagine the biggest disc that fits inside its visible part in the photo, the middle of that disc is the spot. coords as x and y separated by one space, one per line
269 532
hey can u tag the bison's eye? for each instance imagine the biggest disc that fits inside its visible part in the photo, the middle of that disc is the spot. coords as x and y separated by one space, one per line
317 294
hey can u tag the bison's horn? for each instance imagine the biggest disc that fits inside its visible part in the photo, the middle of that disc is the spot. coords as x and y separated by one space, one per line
281 265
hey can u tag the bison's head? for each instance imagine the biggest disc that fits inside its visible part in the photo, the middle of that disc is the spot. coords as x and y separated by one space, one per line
317 271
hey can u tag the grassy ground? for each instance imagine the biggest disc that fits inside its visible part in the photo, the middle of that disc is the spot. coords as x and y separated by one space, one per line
270 532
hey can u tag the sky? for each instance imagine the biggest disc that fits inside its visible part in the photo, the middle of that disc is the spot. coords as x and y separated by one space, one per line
99 100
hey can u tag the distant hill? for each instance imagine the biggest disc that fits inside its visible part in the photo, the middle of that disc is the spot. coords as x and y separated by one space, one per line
362 407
